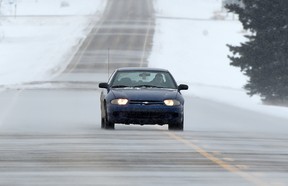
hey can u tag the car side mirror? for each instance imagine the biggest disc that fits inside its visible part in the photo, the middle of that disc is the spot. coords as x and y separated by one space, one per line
103 85
182 87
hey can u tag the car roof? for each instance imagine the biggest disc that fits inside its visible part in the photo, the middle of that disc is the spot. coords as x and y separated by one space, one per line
141 69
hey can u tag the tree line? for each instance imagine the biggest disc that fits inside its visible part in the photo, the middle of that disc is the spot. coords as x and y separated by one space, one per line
264 57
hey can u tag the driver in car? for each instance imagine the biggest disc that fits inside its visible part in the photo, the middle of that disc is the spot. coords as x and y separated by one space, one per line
158 80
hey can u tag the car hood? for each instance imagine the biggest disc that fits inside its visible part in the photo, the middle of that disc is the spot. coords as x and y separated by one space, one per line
145 93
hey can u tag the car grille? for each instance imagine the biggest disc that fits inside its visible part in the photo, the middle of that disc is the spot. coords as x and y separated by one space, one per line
146 102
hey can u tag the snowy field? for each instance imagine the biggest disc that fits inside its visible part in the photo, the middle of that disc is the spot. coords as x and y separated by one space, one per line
191 40
37 37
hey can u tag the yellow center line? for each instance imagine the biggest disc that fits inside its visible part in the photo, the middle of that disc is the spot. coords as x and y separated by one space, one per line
224 165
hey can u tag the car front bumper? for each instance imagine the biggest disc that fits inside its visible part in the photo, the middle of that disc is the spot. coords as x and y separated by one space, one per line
145 114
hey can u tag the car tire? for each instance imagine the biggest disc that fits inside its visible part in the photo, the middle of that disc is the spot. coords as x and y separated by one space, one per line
102 123
109 125
106 123
176 126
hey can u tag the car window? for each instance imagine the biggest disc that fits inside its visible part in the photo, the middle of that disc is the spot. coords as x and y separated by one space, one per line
143 78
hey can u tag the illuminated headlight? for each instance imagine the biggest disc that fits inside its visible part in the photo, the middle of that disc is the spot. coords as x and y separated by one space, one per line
120 101
171 102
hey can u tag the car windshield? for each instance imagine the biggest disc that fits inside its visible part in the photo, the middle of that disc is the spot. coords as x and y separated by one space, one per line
151 79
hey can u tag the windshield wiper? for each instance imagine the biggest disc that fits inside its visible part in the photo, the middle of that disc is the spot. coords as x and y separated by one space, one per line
119 86
147 86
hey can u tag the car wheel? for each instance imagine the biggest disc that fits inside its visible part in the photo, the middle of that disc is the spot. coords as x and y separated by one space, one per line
105 123
102 123
109 125
176 126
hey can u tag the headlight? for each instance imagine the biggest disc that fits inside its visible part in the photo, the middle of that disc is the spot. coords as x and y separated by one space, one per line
171 102
120 101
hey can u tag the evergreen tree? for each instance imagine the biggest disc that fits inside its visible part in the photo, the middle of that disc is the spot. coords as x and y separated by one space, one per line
264 57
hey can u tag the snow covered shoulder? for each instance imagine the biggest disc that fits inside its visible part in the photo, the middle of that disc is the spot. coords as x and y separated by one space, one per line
38 37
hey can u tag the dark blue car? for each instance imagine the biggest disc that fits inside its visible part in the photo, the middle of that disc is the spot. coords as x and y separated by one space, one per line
144 96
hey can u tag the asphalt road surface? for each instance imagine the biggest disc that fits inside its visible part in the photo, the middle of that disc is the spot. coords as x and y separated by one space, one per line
51 135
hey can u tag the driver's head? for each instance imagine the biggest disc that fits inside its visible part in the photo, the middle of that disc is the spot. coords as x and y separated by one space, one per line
159 78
